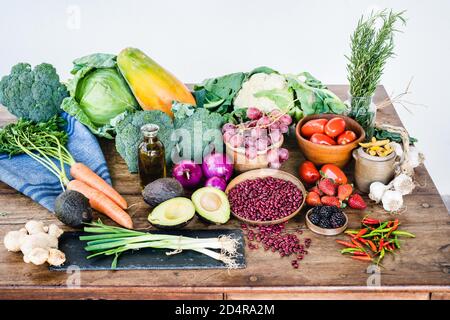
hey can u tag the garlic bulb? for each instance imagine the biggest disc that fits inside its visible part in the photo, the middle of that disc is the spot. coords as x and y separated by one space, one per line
392 201
398 149
377 190
403 184
415 157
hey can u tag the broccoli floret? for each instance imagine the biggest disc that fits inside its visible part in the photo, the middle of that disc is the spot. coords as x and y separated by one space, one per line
204 130
129 135
33 94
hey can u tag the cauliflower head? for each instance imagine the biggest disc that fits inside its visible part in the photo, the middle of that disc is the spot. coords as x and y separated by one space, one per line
265 92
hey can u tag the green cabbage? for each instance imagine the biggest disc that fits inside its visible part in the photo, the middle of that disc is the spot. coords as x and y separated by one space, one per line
98 94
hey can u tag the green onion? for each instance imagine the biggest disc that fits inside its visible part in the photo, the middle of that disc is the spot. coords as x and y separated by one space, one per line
113 241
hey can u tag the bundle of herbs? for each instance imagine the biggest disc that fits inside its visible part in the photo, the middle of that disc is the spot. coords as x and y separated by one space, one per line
44 142
371 46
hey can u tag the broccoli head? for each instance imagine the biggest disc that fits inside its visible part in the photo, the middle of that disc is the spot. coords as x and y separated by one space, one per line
33 94
129 135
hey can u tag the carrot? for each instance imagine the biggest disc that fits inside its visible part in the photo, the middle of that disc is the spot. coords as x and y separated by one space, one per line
100 202
83 173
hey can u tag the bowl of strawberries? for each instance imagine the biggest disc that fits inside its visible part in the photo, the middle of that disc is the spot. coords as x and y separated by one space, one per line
329 186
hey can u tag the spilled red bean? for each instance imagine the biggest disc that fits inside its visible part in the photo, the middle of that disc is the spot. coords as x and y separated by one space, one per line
276 239
264 199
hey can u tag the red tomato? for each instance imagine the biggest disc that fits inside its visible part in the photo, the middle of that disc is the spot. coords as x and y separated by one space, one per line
334 172
321 138
308 172
346 137
313 126
334 127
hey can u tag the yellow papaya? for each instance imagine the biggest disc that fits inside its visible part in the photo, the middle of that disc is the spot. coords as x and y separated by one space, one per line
153 87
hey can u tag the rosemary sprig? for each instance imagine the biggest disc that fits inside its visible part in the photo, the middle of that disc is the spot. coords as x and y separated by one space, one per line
371 47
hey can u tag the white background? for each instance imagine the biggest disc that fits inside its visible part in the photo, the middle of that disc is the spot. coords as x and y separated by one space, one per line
197 39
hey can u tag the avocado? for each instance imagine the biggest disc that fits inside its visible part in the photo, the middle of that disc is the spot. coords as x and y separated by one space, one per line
173 213
212 205
73 209
162 190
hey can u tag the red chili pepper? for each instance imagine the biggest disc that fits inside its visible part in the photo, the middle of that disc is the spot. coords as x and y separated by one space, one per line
353 236
360 258
357 243
364 241
347 244
368 220
359 253
361 233
372 246
394 227
381 244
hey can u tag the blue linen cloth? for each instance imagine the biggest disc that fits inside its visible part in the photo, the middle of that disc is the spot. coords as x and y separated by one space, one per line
31 178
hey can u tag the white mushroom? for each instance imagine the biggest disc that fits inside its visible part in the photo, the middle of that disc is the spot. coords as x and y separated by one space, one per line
14 239
56 257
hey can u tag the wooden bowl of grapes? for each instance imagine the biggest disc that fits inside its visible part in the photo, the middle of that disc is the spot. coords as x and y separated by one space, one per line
251 149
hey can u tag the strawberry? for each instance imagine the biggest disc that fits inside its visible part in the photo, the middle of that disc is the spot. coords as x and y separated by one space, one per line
356 202
316 190
313 199
344 191
330 201
327 186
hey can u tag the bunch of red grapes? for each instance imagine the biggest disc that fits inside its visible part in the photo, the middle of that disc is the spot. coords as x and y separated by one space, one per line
260 135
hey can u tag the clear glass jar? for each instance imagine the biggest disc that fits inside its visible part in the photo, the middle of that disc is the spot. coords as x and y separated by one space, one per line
364 111
151 159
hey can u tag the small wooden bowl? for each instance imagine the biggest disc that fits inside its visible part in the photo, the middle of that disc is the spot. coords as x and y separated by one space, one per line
324 231
262 173
242 163
321 154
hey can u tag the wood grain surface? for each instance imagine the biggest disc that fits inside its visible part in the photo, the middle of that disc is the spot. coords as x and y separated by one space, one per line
420 270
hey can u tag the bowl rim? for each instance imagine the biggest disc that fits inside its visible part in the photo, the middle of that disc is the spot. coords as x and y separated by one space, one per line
268 171
351 145
325 231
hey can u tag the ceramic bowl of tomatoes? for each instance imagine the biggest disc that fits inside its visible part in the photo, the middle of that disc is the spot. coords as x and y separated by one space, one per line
328 138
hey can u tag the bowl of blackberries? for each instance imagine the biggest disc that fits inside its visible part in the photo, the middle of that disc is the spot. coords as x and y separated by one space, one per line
326 220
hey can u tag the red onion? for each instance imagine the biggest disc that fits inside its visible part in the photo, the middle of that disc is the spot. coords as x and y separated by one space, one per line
216 182
188 173
217 165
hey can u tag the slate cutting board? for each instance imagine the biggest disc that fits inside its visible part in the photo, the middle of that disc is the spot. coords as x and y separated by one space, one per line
148 259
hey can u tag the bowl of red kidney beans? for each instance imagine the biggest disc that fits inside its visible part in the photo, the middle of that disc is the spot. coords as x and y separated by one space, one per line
265 196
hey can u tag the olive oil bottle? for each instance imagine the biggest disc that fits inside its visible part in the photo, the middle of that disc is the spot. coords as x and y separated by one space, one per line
151 158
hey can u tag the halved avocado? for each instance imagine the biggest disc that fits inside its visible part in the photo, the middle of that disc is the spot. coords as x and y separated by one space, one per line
212 205
173 213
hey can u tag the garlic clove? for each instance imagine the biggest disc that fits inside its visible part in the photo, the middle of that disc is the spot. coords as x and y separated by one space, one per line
403 184
377 190
392 201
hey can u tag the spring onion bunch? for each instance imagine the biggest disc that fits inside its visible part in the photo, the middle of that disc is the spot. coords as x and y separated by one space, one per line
107 240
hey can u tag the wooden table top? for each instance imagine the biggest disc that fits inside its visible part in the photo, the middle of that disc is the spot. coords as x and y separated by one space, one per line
420 270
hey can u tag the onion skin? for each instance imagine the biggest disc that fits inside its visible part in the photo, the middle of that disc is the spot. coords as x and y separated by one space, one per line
217 165
216 182
188 173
